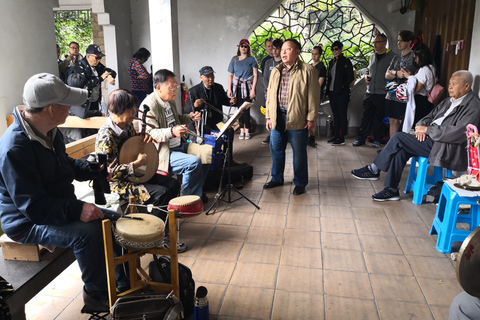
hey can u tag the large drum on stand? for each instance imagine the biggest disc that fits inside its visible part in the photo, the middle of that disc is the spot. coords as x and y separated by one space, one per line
139 231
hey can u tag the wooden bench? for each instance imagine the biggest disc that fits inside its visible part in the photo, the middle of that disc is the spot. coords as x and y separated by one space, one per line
30 277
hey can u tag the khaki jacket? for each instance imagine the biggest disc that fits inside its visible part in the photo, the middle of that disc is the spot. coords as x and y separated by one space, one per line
162 133
303 95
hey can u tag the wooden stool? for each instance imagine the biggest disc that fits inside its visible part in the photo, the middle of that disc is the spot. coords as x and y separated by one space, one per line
139 279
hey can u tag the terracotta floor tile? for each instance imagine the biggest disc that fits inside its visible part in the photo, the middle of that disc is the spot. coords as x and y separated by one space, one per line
342 241
297 305
221 250
369 213
349 309
272 207
196 230
396 288
421 246
231 233
297 279
335 212
303 222
430 267
236 218
265 235
374 227
385 263
213 271
440 313
347 284
303 210
392 310
440 292
337 225
343 260
255 275
260 253
376 243
245 302
302 238
301 257
407 229
267 220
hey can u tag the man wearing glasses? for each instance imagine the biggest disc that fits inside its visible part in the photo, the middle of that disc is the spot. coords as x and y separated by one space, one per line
95 72
168 129
73 55
374 99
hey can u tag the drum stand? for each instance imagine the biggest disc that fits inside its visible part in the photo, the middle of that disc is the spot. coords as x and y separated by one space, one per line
139 279
228 189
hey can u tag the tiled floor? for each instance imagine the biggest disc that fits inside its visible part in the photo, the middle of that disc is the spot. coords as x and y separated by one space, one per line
331 253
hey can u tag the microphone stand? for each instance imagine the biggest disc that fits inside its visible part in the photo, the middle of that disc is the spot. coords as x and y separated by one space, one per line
230 187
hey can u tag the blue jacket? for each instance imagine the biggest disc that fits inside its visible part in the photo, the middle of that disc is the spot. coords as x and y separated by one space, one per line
36 180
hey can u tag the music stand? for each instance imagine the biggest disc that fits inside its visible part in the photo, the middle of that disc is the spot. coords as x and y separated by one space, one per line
228 159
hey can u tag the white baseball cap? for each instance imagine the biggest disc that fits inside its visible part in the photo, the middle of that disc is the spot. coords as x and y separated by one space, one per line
44 89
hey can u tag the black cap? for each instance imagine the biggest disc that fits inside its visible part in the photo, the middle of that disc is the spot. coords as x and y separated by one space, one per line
201 292
205 71
94 49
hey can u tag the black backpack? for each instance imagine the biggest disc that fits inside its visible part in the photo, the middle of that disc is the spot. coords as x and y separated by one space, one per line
160 271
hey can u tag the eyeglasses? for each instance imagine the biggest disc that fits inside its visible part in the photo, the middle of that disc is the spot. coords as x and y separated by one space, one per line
173 88
74 48
243 46
335 49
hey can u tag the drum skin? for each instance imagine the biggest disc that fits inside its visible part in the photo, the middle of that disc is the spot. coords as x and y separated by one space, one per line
150 229
129 152
186 205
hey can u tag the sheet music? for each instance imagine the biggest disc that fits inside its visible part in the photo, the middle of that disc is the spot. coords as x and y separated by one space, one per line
246 105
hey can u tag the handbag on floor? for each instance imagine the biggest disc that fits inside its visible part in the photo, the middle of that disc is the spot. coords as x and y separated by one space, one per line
147 307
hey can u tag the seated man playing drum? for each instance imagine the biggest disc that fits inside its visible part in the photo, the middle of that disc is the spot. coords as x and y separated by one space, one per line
168 130
37 198
157 190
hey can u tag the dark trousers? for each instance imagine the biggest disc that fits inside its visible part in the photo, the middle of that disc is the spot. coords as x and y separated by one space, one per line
244 119
339 105
396 153
372 117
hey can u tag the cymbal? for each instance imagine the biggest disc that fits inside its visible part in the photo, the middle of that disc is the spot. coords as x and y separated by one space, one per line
468 264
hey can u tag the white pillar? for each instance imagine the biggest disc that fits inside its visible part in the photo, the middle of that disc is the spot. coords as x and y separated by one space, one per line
164 38
27 38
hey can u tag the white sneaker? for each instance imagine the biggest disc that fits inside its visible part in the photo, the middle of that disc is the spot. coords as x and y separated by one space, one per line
247 136
242 136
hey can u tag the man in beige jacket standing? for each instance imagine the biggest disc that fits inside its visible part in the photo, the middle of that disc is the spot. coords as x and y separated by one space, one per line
293 98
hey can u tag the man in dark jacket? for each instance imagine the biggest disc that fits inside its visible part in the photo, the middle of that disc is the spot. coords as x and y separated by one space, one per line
211 97
440 136
339 77
95 72
37 200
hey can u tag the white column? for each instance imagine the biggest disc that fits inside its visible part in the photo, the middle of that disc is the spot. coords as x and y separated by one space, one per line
164 38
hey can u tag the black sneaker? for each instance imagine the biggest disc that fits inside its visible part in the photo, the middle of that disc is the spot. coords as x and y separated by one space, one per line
386 194
311 142
267 140
332 140
339 142
365 173
358 143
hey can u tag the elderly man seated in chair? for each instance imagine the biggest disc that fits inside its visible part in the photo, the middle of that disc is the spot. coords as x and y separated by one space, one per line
439 136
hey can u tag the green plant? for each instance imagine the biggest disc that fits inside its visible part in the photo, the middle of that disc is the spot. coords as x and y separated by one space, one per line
76 30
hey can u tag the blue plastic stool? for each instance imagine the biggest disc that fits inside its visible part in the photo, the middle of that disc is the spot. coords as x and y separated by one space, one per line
447 217
419 182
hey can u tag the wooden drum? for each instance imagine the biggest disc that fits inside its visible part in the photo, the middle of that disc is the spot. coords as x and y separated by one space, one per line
187 206
139 234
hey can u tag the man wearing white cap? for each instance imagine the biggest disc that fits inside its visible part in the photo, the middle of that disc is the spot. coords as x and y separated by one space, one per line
37 199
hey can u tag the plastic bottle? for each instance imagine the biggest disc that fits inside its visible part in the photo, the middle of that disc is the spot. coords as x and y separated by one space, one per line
200 311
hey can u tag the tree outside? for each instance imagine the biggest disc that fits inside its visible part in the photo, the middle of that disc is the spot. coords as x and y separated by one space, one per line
73 26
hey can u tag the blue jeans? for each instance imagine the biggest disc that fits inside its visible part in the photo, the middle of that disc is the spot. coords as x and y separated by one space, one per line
191 168
86 239
278 143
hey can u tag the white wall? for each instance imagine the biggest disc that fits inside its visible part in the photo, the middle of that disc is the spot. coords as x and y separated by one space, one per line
140 27
27 47
474 66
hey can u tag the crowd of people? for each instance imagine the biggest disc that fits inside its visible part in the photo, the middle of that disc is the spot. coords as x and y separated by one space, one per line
38 205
